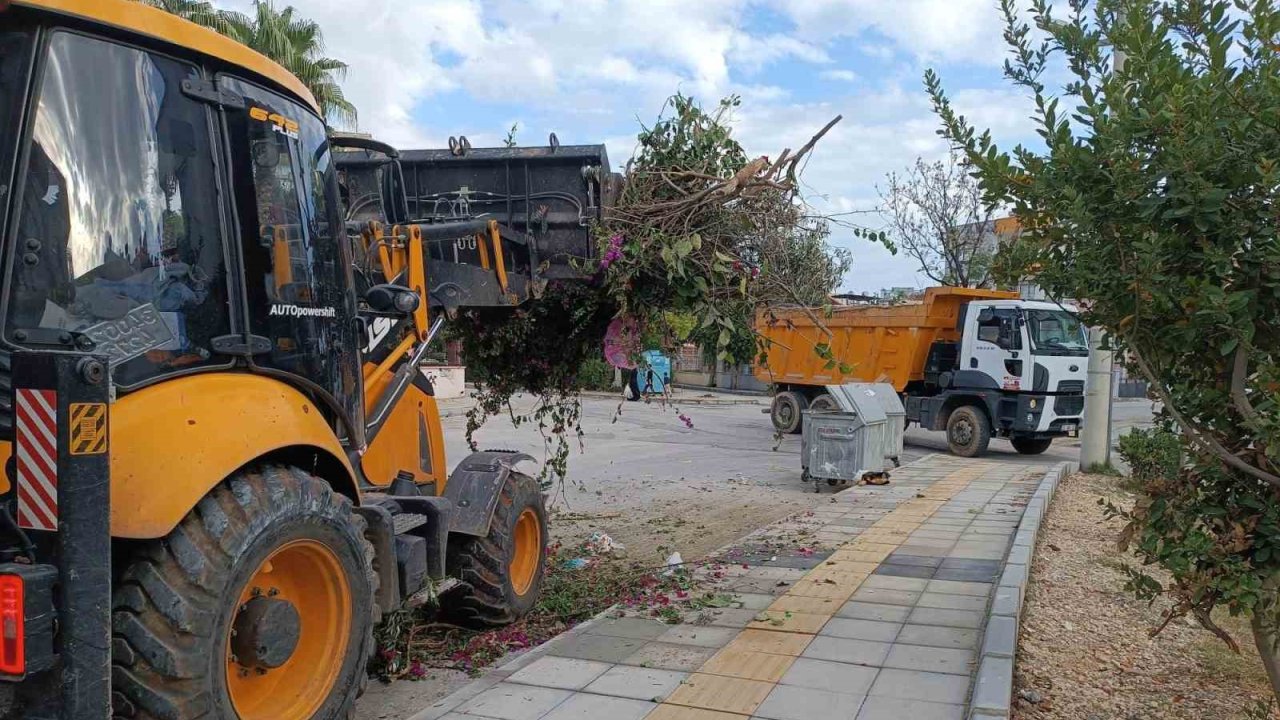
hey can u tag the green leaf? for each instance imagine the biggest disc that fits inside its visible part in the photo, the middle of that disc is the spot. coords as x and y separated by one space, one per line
1229 346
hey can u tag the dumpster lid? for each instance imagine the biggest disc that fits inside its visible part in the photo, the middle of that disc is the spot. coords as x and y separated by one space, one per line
853 398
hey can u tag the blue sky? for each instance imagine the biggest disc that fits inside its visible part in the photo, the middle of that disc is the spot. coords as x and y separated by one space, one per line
591 70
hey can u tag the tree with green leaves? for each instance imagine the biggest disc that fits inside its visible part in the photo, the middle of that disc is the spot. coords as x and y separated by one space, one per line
298 44
1154 199
282 35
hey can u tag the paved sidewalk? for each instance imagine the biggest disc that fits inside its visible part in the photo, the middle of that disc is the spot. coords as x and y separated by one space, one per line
869 608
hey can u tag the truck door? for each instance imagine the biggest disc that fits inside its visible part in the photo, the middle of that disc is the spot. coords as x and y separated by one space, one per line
993 352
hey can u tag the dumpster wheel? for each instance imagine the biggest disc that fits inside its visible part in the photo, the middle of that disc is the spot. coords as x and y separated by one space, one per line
258 606
500 575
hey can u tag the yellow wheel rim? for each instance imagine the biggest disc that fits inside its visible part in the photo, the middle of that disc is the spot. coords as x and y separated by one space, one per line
307 574
527 552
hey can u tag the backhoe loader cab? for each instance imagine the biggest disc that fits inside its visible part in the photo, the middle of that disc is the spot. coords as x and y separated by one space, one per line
215 482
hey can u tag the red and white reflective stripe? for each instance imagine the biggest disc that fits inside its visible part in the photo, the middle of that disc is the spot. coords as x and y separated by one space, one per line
37 458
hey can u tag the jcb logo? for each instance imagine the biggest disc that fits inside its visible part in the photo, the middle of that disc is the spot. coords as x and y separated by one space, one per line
377 331
279 123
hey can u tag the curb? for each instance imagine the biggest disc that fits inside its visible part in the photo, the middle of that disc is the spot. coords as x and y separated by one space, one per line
992 697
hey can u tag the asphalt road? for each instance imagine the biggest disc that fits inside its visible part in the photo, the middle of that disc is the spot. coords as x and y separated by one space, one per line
649 441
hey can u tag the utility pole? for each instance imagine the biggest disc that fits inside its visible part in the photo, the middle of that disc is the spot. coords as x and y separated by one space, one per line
1095 436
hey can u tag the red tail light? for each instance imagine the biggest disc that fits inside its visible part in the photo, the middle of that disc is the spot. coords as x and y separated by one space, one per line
13 651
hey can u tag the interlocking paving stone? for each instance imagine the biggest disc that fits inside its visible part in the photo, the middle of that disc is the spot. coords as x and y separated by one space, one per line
861 629
886 708
900 558
947 601
670 657
679 712
638 628
964 575
911 571
938 636
873 611
638 683
559 672
595 647
753 601
830 676
788 702
889 582
931 659
766 641
727 617
919 685
717 692
508 701
959 588
710 637
948 618
748 664
886 597
858 652
585 706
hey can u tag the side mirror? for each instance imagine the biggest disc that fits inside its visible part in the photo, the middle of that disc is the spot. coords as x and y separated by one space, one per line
392 298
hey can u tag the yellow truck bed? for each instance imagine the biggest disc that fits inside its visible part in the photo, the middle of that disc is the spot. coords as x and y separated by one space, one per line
880 343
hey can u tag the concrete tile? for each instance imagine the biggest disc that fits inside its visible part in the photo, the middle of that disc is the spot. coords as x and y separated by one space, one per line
830 676
802 604
873 611
637 683
670 657
753 601
959 563
788 702
786 621
926 549
832 590
727 617
959 588
602 648
908 571
725 694
766 641
508 701
1001 637
938 636
886 708
858 652
861 629
680 712
964 575
630 627
882 596
584 706
952 602
931 659
748 664
993 686
761 586
917 685
700 636
559 672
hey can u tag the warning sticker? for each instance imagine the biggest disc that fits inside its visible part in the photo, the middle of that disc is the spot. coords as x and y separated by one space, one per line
88 428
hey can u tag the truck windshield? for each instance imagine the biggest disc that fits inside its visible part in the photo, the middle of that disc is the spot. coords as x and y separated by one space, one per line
1056 332
118 230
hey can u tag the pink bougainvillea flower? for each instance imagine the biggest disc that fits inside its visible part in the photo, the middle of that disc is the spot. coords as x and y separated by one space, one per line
622 342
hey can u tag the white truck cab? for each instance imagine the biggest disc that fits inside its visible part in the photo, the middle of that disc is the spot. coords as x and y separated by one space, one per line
1019 369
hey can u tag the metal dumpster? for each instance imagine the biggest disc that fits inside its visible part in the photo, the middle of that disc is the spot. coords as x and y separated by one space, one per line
855 395
843 446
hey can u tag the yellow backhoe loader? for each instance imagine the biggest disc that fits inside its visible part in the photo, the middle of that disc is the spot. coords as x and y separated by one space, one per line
222 464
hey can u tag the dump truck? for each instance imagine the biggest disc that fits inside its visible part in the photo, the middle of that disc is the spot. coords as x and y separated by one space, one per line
974 363
222 465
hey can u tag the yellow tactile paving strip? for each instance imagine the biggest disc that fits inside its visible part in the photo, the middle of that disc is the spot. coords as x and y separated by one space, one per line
733 682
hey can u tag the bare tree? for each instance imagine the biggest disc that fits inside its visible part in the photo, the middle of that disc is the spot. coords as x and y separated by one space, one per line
936 215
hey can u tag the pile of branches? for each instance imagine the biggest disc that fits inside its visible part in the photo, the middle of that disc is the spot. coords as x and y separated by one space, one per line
700 236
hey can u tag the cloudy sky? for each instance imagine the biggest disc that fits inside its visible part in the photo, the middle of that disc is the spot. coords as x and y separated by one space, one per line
592 70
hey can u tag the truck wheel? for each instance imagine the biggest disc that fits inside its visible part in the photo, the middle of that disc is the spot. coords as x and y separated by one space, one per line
1030 446
258 606
500 575
786 411
824 403
968 432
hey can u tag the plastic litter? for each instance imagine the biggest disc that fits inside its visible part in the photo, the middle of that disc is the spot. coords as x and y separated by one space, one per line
576 563
601 544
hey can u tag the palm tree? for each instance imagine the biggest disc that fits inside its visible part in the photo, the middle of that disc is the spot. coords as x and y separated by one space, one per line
295 42
298 44
200 12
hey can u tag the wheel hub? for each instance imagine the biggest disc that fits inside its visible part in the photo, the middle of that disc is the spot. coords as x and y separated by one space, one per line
265 633
963 433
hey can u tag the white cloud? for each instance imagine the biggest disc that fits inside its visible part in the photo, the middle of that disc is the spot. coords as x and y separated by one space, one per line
839 75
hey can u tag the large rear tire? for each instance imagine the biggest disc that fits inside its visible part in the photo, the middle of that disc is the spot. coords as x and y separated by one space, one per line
258 606
786 412
824 403
500 575
968 431
1030 446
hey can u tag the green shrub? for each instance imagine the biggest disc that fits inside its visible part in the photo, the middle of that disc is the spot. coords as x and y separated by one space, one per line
1151 454
595 374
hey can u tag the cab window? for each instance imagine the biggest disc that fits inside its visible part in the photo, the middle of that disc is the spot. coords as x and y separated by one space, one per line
999 327
118 245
